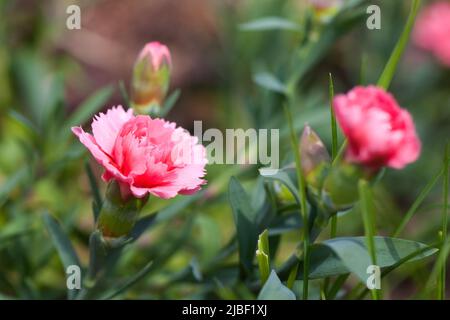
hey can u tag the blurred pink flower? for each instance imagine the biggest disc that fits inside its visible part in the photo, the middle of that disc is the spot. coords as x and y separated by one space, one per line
432 30
325 4
145 155
326 9
379 132
157 53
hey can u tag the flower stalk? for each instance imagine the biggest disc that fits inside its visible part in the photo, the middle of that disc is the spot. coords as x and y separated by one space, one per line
302 195
445 188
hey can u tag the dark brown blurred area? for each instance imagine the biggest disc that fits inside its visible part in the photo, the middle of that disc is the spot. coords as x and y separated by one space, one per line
113 32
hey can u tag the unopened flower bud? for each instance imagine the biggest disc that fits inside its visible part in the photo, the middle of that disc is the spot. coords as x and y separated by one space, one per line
151 78
314 155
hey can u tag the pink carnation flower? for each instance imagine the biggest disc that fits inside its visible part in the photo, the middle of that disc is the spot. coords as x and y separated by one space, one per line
432 30
379 132
145 155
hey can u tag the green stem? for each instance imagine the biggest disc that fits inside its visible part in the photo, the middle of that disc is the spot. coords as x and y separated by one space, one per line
340 152
334 135
334 153
302 195
369 223
333 227
292 276
334 146
441 286
337 286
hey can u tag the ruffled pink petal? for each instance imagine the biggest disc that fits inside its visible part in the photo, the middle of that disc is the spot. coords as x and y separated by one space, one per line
99 155
106 127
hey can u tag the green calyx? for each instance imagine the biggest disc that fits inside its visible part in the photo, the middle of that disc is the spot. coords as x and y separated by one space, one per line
118 215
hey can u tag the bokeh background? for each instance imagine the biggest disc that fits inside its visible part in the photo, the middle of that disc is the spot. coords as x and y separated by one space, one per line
48 72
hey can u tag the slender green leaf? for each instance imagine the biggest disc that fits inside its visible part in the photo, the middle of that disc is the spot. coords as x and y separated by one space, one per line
15 229
63 245
435 275
196 271
97 205
420 198
269 81
23 121
13 181
259 194
334 133
97 253
130 282
142 225
170 102
334 145
270 23
61 241
124 93
391 66
293 276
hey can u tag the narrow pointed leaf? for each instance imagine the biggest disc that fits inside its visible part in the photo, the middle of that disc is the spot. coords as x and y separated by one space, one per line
170 102
269 82
63 245
270 23
391 66
97 204
7 187
61 241
142 225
